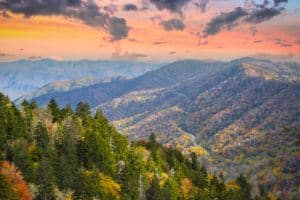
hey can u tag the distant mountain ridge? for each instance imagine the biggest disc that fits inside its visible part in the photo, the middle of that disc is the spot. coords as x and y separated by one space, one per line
242 115
24 76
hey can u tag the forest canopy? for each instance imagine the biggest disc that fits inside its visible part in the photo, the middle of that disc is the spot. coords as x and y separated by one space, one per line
60 153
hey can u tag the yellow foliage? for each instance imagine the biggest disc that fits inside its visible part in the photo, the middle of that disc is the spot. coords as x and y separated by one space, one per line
149 176
143 152
109 186
232 185
163 179
198 150
272 196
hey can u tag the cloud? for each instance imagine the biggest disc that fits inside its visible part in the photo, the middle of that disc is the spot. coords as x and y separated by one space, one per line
171 5
3 54
128 56
253 30
132 40
257 41
110 8
87 11
260 13
263 14
202 4
159 42
172 52
225 20
277 2
173 24
117 27
282 43
130 7
35 57
4 14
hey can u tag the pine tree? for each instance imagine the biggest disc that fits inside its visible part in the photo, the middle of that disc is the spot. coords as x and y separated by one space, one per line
245 187
154 192
45 180
55 111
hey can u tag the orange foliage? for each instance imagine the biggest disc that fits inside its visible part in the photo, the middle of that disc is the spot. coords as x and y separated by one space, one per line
186 187
14 178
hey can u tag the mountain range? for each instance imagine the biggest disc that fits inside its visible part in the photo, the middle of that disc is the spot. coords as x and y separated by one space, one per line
24 76
240 116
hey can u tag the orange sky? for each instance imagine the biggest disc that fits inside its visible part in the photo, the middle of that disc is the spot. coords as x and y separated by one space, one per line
68 38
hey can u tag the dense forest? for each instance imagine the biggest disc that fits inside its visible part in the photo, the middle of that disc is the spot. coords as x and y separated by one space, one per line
53 153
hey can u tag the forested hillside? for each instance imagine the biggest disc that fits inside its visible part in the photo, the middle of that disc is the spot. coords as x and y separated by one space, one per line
55 153
242 116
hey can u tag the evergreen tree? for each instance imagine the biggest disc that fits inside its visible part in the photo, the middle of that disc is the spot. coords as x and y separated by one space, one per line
83 111
245 187
154 192
55 111
45 180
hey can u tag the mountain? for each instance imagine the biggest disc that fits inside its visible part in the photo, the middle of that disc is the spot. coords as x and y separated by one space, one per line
103 92
52 153
24 76
241 116
66 85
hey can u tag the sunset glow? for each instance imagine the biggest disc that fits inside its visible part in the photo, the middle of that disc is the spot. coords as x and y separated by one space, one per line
63 37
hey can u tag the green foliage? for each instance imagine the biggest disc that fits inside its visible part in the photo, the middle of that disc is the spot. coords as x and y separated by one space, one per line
55 111
85 155
6 190
245 187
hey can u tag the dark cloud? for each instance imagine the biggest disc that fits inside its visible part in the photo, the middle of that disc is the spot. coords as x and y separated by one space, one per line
130 7
258 13
117 27
172 52
277 2
39 7
257 41
88 12
173 24
263 14
171 5
202 4
225 20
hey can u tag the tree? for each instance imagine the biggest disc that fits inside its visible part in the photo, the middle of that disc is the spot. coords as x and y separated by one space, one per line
186 188
66 111
154 192
245 187
55 111
12 184
93 184
171 189
45 180
83 111
67 159
42 137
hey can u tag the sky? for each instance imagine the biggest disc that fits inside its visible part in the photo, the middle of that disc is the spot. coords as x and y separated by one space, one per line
149 30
